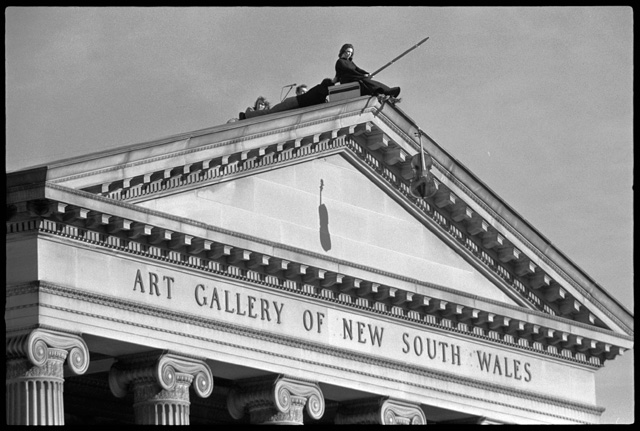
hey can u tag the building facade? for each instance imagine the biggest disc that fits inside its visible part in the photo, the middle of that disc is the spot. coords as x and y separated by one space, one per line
280 270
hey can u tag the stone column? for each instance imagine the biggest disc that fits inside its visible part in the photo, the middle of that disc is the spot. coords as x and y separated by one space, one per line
35 375
275 400
380 411
160 384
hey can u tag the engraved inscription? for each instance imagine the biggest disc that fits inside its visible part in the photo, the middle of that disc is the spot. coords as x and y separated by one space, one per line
154 283
335 328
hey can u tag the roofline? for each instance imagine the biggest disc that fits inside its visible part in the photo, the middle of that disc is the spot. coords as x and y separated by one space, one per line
460 172
515 219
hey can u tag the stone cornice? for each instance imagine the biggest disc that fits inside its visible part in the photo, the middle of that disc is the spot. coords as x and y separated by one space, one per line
265 336
507 266
196 146
545 291
360 117
507 217
413 306
344 300
468 246
589 355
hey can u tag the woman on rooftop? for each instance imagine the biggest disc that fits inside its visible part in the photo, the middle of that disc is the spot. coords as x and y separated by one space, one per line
313 96
347 71
261 103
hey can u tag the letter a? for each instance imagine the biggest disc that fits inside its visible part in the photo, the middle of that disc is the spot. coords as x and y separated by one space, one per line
138 281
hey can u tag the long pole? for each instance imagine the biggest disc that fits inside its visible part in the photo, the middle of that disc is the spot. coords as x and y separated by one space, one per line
422 167
399 57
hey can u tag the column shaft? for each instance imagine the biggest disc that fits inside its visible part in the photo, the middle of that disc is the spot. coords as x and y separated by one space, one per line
162 413
156 406
35 394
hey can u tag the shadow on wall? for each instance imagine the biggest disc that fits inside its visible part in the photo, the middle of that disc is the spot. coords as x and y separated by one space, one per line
323 214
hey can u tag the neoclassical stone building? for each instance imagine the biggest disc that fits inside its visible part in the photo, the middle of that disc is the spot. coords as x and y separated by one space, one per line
279 270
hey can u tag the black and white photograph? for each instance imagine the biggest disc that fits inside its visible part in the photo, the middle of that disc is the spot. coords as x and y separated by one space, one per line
319 215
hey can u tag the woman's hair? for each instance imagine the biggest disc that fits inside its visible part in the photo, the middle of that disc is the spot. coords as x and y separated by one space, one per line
267 105
344 48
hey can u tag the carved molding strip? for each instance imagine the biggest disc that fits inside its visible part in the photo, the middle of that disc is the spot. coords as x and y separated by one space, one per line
61 229
511 279
296 288
230 169
514 284
569 310
285 247
205 147
438 220
429 317
362 358
525 241
16 289
541 255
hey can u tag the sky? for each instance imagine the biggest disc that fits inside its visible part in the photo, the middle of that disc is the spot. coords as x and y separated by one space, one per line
537 102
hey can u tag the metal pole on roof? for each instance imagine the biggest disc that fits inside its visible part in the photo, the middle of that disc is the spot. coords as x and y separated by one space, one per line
285 86
399 57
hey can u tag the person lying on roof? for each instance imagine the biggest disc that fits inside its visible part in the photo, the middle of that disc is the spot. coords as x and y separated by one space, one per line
261 104
313 96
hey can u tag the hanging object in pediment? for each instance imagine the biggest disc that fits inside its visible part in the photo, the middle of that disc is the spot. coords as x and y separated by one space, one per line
423 187
422 184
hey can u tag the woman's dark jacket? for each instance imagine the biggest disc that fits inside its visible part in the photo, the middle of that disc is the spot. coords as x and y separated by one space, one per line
347 71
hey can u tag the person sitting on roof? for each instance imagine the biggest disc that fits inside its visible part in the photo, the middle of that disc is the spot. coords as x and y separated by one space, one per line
347 71
315 95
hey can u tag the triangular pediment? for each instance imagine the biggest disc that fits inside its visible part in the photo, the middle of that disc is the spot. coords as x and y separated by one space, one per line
322 194
330 209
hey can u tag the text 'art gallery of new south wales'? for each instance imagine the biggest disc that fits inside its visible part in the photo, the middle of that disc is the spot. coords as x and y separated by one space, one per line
285 269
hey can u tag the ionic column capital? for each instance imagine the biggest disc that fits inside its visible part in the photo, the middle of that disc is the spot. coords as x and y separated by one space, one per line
277 399
164 369
40 345
383 411
35 375
160 384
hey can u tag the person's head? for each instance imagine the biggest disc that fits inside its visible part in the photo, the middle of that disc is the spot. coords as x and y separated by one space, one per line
301 89
261 103
346 51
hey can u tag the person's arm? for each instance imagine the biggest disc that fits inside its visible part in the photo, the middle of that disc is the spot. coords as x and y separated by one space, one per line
364 72
347 69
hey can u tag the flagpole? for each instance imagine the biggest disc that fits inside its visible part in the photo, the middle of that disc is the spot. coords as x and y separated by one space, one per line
398 57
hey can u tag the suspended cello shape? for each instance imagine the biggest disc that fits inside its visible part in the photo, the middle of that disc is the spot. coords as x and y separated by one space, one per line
422 185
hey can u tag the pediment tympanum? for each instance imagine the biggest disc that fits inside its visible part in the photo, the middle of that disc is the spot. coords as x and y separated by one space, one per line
320 199
329 208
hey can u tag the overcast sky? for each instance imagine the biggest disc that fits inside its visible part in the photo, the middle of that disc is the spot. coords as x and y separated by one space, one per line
536 102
